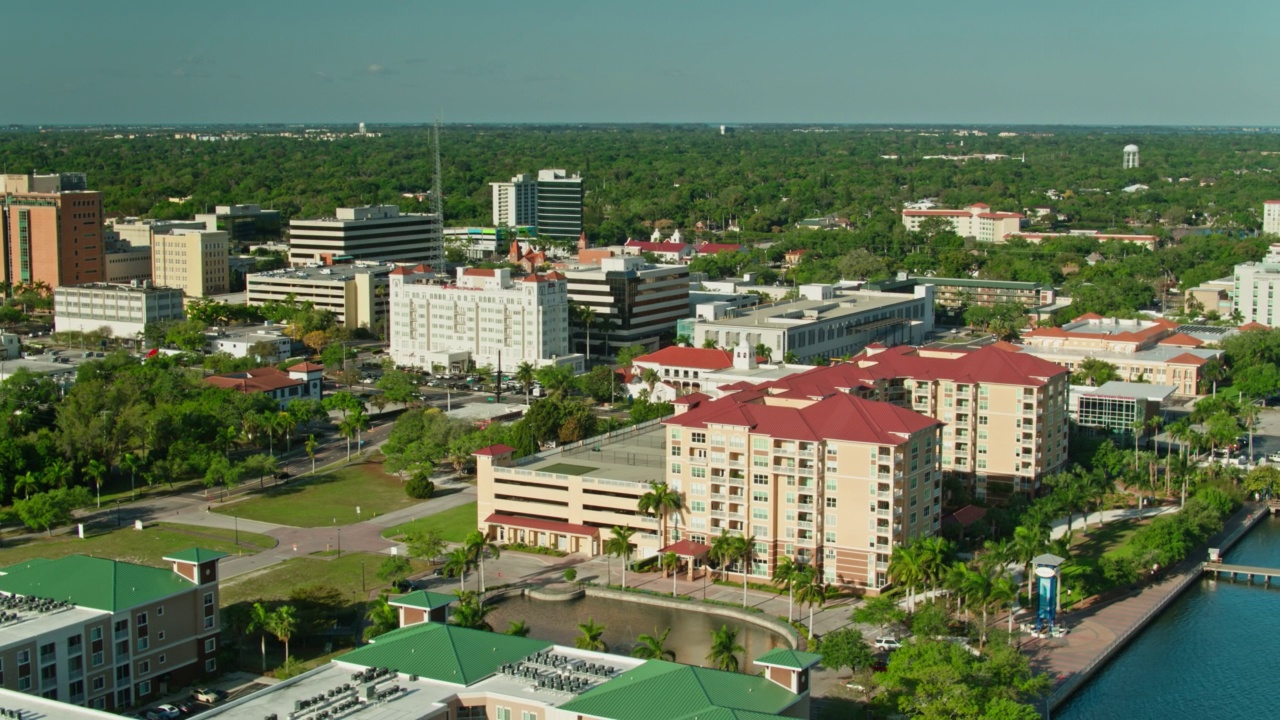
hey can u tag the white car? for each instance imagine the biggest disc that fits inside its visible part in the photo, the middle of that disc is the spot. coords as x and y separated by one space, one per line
164 712
887 643
1274 457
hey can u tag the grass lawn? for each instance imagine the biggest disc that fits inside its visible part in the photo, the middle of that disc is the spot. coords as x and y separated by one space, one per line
568 469
347 574
453 524
146 547
1109 539
326 499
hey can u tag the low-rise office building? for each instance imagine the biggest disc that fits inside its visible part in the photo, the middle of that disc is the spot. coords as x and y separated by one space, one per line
268 343
125 265
480 317
243 224
635 303
108 634
969 292
1151 242
1117 407
1153 351
138 232
298 382
124 309
356 294
378 233
1213 296
824 323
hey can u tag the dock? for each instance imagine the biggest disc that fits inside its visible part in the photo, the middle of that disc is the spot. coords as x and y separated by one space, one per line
1242 571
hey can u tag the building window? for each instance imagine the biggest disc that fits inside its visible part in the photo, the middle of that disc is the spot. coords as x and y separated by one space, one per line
210 665
99 683
160 611
144 688
162 659
160 635
501 713
210 645
143 644
144 667
831 502
698 437
675 468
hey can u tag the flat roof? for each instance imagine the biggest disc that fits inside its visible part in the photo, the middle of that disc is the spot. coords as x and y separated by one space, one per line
1156 354
33 624
477 412
1139 391
34 707
336 273
630 457
777 315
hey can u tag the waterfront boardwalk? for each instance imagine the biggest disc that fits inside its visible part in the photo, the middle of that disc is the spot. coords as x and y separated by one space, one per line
1100 630
1234 572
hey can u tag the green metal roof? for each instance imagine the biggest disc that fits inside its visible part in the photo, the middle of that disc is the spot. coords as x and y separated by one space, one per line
783 657
96 583
442 652
196 555
423 599
660 689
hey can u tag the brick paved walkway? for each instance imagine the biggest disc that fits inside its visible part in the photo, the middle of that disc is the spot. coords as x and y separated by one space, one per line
1100 630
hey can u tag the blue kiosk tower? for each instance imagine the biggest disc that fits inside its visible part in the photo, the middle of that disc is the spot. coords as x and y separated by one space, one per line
1048 589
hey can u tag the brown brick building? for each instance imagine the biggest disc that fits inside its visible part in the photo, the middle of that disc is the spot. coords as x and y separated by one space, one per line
53 238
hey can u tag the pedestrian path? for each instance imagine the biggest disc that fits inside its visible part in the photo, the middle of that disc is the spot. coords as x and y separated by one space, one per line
1058 527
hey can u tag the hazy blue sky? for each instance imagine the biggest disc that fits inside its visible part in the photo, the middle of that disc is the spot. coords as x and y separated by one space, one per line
871 61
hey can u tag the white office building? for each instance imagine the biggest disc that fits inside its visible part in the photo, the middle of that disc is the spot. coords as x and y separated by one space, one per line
1255 289
823 323
477 316
350 292
124 309
378 233
515 203
1271 217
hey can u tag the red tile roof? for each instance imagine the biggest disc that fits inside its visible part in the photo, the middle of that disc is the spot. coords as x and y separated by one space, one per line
494 450
1156 327
402 270
540 524
691 399
1181 340
936 213
687 548
687 357
980 204
966 516
306 367
263 379
656 247
989 364
1255 325
713 248
837 417
479 272
1187 359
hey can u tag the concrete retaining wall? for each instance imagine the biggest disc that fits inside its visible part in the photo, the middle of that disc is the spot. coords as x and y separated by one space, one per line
765 621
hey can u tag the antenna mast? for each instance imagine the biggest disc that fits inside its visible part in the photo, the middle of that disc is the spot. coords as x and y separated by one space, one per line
437 198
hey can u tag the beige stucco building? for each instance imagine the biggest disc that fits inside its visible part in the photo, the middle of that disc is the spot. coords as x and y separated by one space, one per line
194 261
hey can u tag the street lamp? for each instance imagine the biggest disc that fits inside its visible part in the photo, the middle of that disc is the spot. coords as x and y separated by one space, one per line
339 542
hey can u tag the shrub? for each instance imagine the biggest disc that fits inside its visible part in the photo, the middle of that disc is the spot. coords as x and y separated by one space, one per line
570 574
419 487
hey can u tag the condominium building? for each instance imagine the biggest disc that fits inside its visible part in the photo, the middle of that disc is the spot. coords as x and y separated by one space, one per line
976 221
515 203
123 309
480 317
1005 411
108 634
1154 351
833 481
823 323
635 303
378 233
194 261
431 670
559 205
1271 217
355 294
1255 289
1150 242
243 224
968 292
53 238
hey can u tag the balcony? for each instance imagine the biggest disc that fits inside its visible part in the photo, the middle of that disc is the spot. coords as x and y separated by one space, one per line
805 505
804 525
719 496
737 482
882 512
882 566
720 514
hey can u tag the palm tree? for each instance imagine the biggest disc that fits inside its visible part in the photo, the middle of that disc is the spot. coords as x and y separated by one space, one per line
478 545
347 429
586 317
975 588
649 377
996 556
935 555
359 421
723 550
27 482
518 628
226 439
470 612
811 591
590 637
1028 542
746 551
382 618
907 570
671 563
96 470
764 351
456 564
131 463
287 424
311 446
1004 591
725 649
660 500
260 624
283 624
620 544
653 647
58 473
525 375
785 574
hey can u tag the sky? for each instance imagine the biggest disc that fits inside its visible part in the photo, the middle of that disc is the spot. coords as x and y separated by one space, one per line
1123 62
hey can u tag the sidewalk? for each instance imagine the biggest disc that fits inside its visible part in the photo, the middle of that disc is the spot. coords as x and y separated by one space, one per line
1058 527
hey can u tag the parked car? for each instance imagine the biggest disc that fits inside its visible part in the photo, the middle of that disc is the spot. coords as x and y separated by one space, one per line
208 696
164 712
887 643
1274 457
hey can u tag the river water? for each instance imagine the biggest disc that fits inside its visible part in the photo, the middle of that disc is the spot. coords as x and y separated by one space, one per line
690 631
1211 654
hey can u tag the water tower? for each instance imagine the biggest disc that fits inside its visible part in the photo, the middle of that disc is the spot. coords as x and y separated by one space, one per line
1130 157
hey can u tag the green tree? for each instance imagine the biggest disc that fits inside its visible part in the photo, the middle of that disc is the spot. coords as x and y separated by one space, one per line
47 510
260 617
660 501
394 568
426 544
845 648
1093 371
525 375
517 628
810 590
619 544
881 611
311 446
470 612
589 637
478 546
399 387
457 564
381 617
283 624
725 649
96 470
653 647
